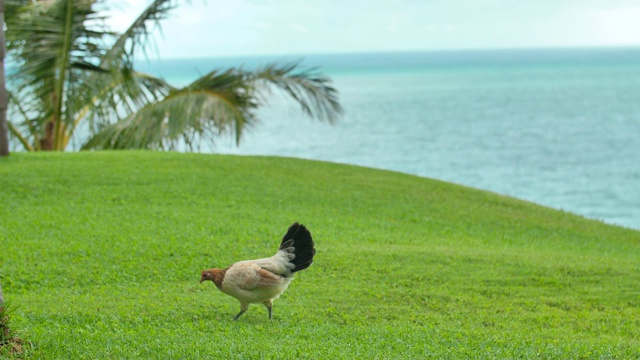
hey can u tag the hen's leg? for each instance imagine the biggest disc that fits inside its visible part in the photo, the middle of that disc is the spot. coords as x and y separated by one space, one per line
243 308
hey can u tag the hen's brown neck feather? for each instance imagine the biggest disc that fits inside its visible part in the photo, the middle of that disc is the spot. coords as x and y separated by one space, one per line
218 276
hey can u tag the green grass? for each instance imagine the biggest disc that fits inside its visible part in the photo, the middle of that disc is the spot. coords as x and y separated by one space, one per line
100 254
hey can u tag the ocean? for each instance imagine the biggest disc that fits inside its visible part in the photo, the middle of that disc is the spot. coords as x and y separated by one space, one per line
558 127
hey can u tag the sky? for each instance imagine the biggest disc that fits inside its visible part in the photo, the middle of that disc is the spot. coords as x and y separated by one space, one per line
217 28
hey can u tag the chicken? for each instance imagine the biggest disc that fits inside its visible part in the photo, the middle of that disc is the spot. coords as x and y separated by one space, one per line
263 280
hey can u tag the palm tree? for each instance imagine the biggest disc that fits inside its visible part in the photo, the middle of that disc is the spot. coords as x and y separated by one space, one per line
73 83
4 138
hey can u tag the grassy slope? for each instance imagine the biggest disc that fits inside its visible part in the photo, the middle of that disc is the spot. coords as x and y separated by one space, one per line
102 253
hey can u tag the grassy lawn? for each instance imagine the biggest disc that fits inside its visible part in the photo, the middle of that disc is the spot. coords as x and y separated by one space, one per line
101 254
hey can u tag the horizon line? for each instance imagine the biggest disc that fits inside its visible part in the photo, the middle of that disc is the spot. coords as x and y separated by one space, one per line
399 52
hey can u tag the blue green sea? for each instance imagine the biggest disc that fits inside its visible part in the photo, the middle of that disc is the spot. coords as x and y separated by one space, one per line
558 127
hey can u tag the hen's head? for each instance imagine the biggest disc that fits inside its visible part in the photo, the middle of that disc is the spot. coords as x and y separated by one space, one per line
206 275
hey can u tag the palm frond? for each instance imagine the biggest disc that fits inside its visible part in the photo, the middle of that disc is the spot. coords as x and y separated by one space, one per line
21 138
26 122
216 104
46 33
116 96
139 33
311 90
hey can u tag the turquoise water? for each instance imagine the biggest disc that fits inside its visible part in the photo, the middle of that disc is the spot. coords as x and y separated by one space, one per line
557 127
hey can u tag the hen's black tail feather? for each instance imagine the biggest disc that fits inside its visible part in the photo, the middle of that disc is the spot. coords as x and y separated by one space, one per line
300 238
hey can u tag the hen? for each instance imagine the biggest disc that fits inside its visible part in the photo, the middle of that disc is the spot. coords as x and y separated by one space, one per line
263 280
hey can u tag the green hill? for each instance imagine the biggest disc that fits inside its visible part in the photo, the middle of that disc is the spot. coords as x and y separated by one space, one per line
101 255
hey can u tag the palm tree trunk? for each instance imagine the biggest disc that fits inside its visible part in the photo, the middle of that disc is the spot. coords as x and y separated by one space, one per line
4 130
46 143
